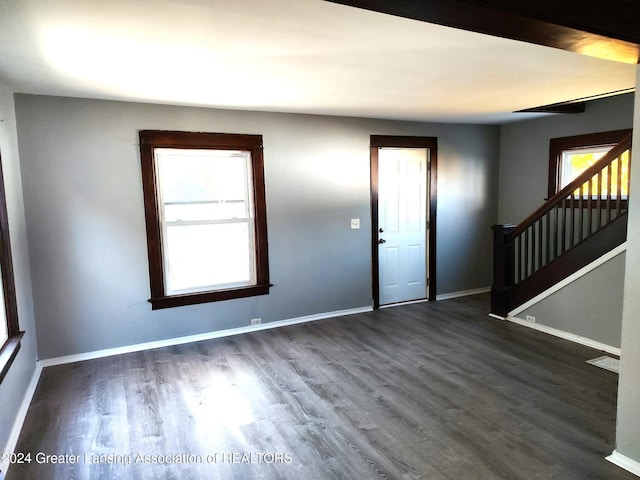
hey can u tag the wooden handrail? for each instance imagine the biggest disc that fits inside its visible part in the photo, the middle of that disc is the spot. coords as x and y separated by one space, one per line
579 181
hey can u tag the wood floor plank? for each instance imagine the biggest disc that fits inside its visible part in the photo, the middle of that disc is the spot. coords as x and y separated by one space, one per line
435 391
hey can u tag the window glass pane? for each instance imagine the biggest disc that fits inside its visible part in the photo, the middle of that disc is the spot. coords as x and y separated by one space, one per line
574 162
202 176
4 334
577 161
202 256
206 210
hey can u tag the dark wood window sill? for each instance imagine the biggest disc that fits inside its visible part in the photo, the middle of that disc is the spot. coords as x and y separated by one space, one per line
204 297
8 353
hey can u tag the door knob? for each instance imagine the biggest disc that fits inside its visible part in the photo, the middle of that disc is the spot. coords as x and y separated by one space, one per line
382 240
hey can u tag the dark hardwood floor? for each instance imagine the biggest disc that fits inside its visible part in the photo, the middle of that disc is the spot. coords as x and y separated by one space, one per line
427 391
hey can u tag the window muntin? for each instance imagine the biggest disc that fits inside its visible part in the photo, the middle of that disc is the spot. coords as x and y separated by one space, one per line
206 216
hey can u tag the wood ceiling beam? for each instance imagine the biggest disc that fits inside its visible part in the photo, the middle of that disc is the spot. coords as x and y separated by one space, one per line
604 30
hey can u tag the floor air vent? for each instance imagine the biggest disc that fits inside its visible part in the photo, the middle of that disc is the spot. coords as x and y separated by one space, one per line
608 363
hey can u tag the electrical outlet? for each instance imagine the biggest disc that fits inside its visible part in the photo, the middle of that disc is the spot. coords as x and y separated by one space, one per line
256 321
355 223
530 318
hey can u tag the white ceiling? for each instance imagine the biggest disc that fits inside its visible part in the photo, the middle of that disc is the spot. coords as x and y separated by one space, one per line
305 56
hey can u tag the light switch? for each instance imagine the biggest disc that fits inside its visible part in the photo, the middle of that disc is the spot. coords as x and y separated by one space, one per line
355 223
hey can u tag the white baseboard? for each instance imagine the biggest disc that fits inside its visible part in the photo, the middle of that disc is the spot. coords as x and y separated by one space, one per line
571 278
566 335
20 417
197 338
625 462
463 293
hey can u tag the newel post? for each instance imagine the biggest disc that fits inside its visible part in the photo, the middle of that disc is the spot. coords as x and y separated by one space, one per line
503 269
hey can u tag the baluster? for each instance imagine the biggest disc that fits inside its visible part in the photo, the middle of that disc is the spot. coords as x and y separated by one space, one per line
519 257
589 202
534 247
548 237
572 235
608 193
556 232
628 176
599 200
580 213
523 261
540 249
516 260
526 252
563 229
619 187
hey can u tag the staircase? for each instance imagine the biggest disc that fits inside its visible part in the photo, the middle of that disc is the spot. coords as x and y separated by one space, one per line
576 226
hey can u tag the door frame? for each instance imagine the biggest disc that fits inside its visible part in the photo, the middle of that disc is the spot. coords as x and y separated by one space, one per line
378 141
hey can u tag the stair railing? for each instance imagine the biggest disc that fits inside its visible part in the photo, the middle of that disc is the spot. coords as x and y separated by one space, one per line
589 203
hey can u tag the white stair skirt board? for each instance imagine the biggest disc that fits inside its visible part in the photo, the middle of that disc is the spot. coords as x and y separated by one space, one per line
463 293
625 462
566 335
571 278
12 441
606 362
48 362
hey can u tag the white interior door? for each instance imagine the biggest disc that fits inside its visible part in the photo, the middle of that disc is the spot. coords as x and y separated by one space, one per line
403 223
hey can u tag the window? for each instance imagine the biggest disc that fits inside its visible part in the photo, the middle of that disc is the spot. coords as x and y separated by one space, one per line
570 156
206 216
10 334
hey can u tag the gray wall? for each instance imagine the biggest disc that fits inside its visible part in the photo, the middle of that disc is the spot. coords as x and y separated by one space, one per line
590 306
85 219
628 431
15 384
524 151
